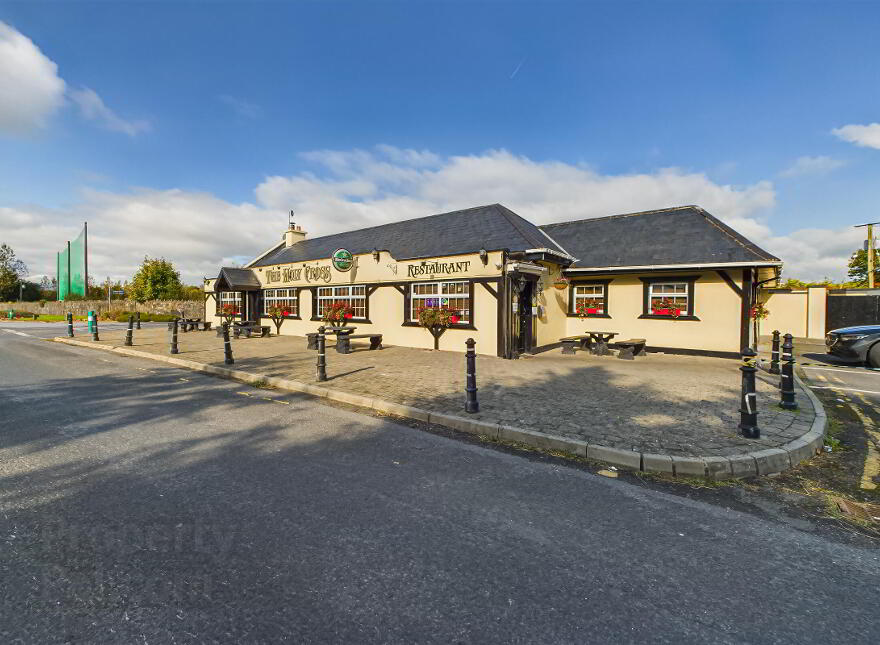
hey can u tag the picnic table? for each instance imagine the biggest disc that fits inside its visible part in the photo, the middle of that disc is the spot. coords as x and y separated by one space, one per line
595 341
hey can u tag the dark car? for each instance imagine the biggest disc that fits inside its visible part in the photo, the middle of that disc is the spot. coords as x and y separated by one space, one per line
855 344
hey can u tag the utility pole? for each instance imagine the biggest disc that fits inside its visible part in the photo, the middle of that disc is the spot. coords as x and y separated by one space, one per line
108 293
869 247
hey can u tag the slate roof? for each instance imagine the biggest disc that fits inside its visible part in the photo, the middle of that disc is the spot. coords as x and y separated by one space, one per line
680 235
233 279
492 227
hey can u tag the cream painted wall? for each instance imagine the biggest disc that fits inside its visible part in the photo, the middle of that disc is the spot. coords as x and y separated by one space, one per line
716 305
787 313
552 322
386 304
817 298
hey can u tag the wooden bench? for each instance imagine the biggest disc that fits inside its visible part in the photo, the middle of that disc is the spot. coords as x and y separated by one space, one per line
569 342
343 342
629 349
250 329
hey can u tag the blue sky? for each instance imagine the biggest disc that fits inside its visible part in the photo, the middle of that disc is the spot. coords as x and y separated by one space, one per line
176 118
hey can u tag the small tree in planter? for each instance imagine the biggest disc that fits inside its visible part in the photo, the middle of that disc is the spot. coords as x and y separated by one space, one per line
228 312
338 314
277 314
437 321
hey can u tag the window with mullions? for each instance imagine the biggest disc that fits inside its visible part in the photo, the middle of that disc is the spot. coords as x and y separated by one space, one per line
448 295
286 299
229 298
668 298
354 296
589 300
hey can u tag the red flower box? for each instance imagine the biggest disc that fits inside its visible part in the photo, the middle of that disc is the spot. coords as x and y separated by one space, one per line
592 311
660 312
453 319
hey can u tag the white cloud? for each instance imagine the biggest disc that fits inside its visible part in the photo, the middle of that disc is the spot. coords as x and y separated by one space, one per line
866 136
352 189
30 88
92 108
811 166
242 107
196 231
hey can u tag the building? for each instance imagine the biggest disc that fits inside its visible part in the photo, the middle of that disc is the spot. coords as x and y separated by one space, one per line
677 277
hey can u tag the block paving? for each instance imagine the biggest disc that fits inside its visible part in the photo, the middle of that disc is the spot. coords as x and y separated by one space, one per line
662 403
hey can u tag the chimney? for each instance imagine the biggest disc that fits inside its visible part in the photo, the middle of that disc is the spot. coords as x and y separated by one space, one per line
293 234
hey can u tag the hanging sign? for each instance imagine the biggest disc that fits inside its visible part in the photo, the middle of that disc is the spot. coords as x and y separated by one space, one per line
342 259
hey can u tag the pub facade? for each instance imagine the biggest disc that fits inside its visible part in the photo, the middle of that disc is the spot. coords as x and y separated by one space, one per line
678 278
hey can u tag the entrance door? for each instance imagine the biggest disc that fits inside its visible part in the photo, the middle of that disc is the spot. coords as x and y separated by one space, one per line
523 319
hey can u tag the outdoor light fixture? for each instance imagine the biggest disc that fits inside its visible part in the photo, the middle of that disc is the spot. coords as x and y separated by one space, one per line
484 256
376 254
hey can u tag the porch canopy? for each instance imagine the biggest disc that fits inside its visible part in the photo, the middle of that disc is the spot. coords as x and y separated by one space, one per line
232 279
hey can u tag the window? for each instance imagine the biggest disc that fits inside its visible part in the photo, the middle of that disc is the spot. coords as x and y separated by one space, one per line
450 295
669 297
354 296
286 299
229 298
589 300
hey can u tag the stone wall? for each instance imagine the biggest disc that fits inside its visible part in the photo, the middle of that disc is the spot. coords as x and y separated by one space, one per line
191 308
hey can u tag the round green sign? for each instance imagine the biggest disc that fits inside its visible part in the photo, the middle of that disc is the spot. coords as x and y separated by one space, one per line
342 259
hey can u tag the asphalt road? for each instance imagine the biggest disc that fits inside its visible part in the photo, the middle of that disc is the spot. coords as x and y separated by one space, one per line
141 503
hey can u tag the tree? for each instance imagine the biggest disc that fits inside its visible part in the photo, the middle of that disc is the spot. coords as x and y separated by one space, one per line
858 267
156 280
12 270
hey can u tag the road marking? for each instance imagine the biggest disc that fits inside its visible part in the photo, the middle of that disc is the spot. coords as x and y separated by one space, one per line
837 379
822 378
841 369
266 398
840 389
185 380
19 333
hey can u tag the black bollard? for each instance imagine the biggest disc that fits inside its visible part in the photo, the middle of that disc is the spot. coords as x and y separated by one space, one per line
95 328
774 354
128 331
786 383
137 320
471 404
174 337
69 325
322 362
748 412
227 346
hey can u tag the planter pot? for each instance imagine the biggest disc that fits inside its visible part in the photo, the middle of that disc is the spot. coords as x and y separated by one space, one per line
592 311
560 285
660 312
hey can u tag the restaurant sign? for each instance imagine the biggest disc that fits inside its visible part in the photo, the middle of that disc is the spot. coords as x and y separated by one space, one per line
435 268
315 273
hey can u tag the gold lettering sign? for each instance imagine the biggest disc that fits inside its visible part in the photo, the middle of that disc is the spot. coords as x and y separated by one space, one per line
283 275
434 268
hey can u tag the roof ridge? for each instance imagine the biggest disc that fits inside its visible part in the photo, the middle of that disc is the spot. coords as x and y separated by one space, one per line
593 219
517 224
411 219
735 236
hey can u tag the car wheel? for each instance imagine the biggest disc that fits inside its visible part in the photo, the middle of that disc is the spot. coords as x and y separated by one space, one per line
874 355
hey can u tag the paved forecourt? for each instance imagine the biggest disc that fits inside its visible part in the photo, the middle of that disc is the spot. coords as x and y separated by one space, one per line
666 413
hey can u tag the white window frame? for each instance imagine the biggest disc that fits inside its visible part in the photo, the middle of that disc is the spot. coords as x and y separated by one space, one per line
676 297
273 296
230 297
415 299
600 297
341 294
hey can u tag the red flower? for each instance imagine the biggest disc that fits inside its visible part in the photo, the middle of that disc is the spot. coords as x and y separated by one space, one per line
285 313
453 319
348 316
